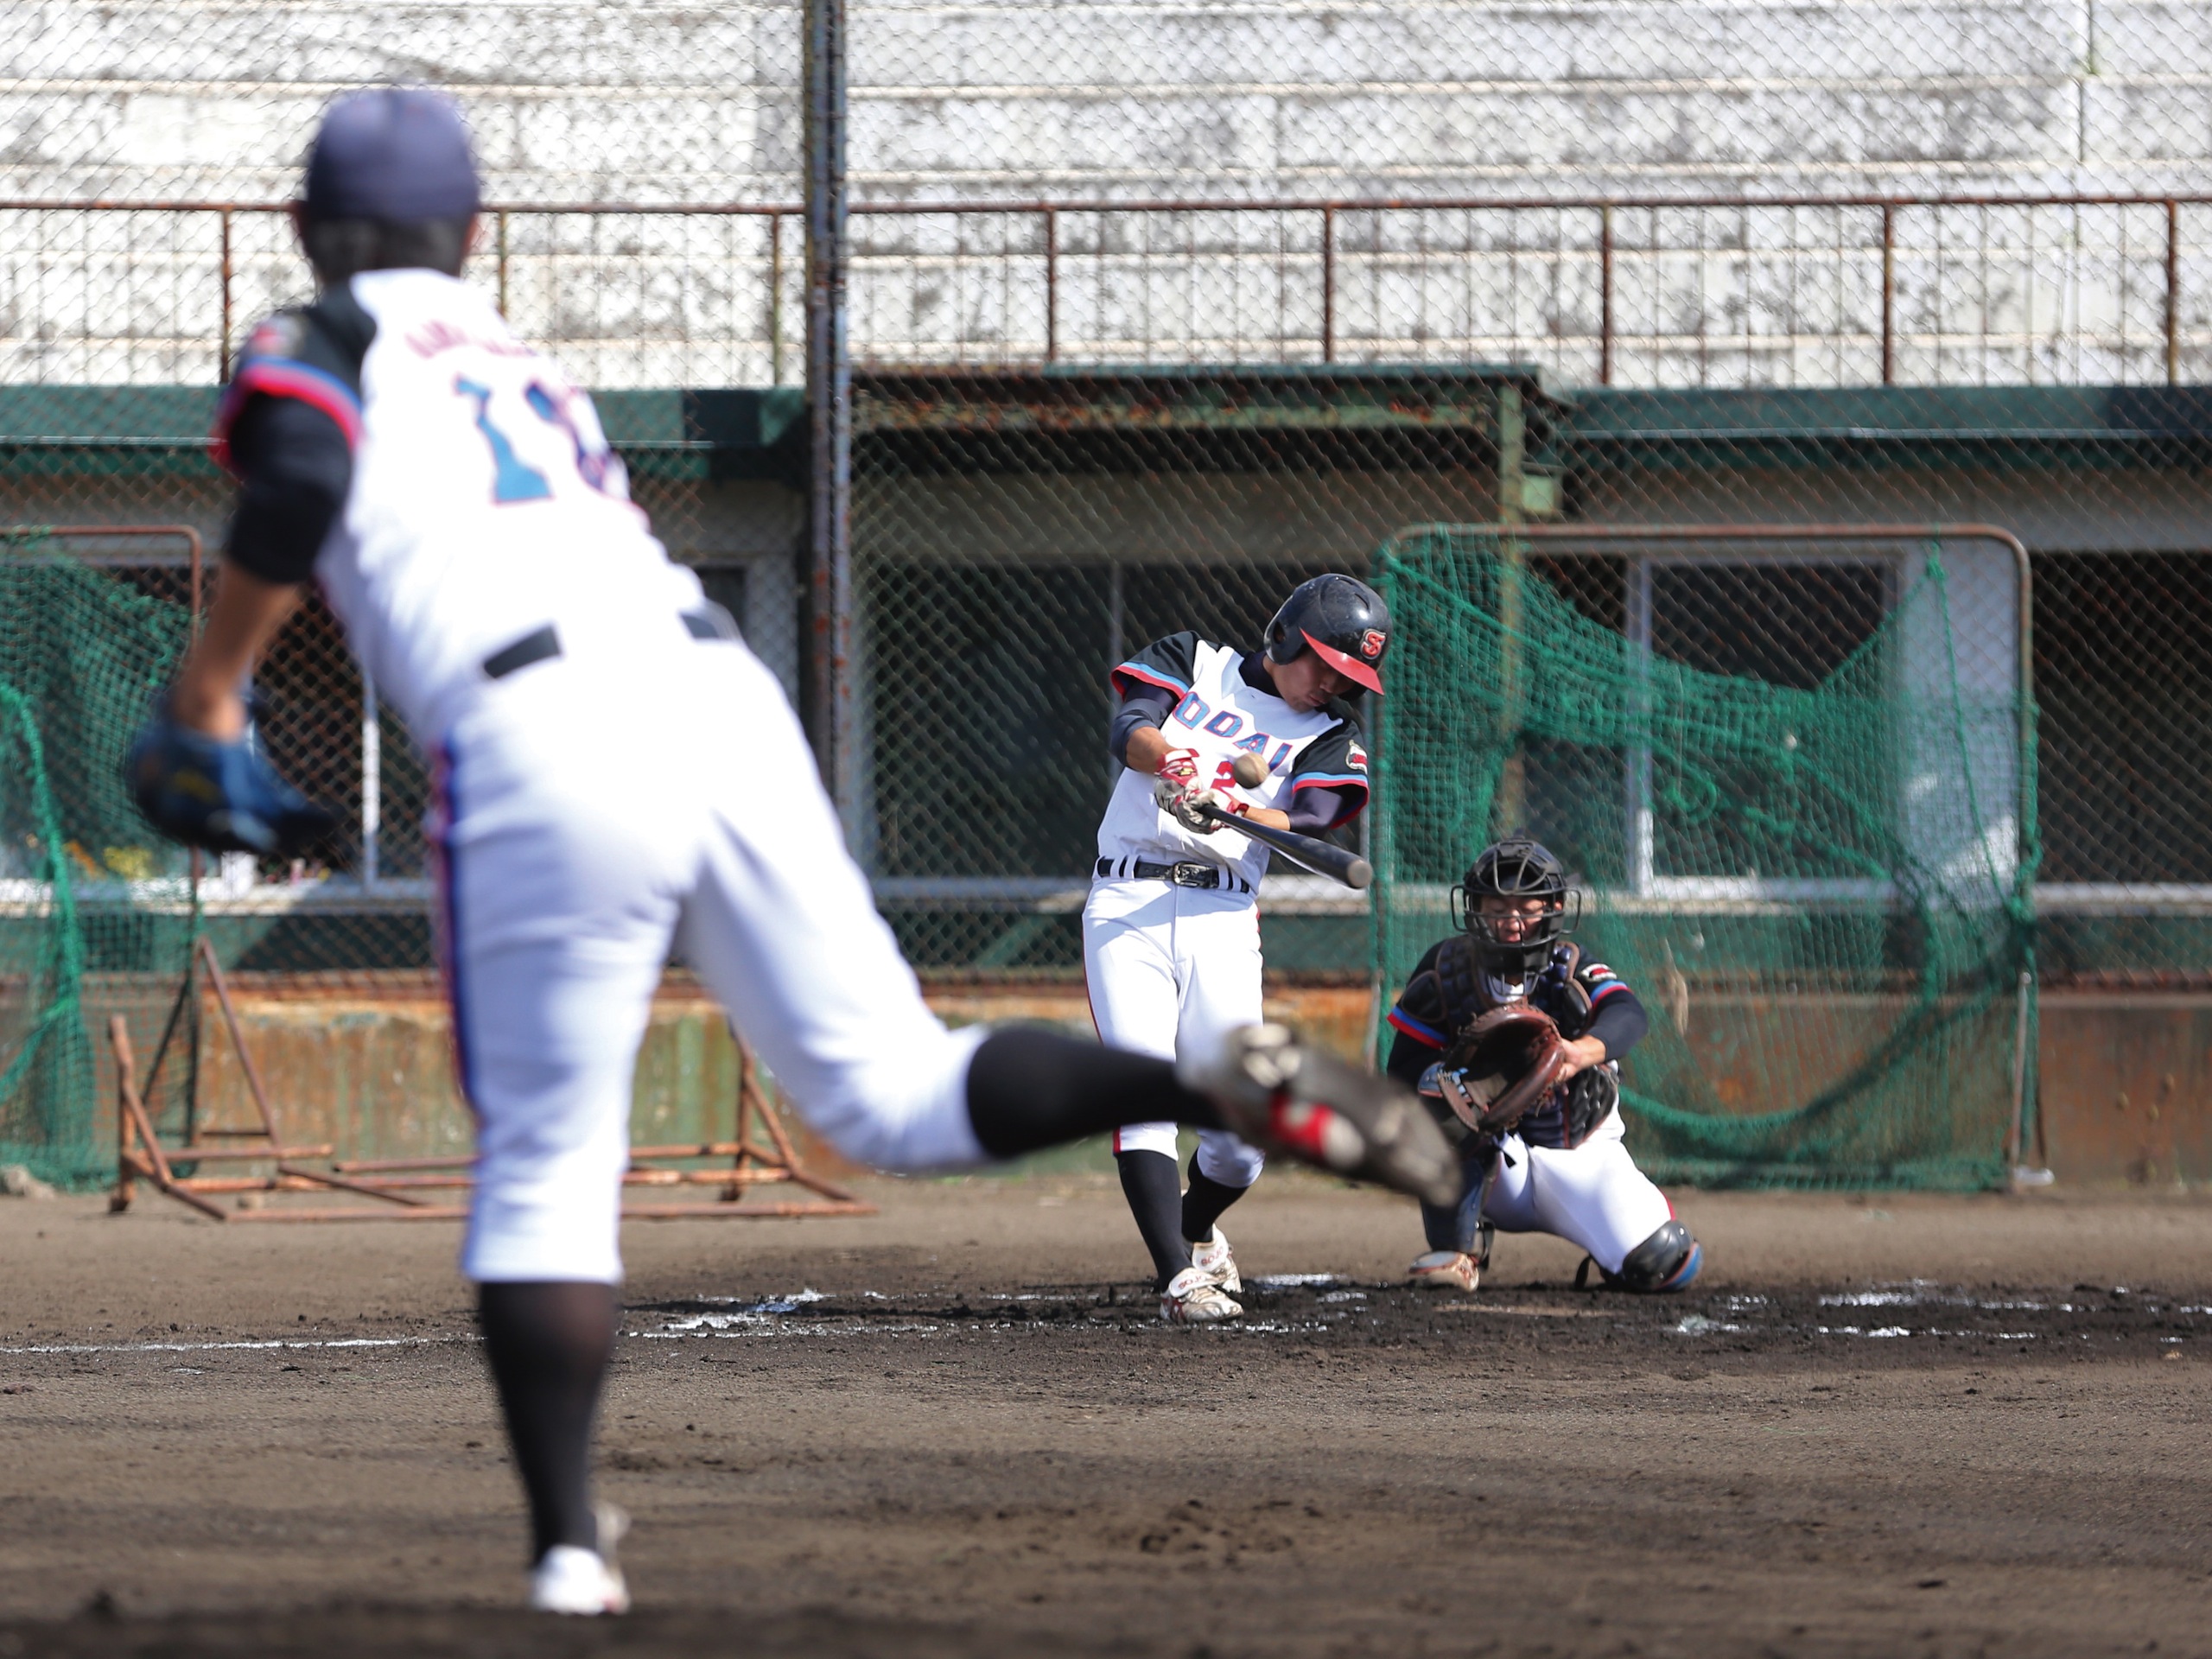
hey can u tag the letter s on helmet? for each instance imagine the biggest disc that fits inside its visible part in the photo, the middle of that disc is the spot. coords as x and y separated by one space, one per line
1342 620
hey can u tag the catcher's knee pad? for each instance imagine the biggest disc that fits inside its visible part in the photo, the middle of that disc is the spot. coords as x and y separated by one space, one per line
1669 1260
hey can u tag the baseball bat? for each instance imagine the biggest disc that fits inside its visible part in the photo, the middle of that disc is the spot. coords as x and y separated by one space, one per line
1319 856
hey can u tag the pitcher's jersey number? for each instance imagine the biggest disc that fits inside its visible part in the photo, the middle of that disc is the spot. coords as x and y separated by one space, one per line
514 479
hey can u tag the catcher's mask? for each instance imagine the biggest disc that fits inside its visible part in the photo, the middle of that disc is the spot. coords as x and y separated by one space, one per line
1517 869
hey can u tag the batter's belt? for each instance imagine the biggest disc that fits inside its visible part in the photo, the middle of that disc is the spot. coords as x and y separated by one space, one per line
1191 874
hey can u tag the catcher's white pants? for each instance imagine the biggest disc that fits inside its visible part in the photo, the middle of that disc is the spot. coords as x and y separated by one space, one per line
1169 969
590 809
1592 1196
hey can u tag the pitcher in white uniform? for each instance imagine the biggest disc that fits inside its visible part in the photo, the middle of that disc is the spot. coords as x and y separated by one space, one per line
615 771
1171 930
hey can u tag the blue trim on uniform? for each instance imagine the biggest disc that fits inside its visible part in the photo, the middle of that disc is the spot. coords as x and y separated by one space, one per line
1152 676
449 893
1418 1030
1605 991
1330 780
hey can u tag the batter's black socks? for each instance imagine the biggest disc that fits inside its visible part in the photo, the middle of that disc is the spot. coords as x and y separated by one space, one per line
1204 1203
548 1345
1029 1089
1155 1191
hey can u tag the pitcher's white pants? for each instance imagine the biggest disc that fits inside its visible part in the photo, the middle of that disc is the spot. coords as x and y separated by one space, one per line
590 809
1594 1197
1169 970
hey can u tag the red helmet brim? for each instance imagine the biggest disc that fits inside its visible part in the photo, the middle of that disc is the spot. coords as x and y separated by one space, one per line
1349 666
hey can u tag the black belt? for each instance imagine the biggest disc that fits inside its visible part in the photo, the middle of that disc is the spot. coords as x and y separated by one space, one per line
1182 875
710 621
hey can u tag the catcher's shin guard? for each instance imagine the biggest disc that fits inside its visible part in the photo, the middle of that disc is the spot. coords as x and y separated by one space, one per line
1285 1097
1667 1260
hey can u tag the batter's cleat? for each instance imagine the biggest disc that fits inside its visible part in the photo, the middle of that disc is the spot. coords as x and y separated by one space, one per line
1284 1095
569 1578
1217 1262
1444 1270
1191 1298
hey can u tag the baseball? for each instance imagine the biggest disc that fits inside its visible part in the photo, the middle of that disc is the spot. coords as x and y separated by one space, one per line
1249 769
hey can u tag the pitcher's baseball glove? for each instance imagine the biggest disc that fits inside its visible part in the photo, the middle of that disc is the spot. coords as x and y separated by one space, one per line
1499 1069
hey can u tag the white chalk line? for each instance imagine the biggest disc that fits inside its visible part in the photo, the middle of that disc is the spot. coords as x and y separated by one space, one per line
220 1347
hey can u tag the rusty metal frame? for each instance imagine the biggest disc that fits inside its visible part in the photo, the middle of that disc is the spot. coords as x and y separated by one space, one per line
142 1155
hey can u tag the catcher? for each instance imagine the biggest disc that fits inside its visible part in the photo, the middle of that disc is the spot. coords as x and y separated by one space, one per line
1513 1039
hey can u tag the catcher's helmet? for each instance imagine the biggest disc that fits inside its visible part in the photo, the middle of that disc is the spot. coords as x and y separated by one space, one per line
1342 620
1516 869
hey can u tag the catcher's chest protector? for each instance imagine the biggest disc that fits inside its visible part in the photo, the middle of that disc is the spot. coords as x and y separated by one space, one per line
1471 990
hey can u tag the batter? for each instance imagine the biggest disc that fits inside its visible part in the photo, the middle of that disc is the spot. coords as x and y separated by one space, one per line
1565 1169
615 771
1171 930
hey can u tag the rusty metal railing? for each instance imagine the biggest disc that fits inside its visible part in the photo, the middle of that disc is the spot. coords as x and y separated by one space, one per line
1310 304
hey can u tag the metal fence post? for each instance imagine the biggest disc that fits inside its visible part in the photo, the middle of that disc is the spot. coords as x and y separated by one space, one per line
830 413
2173 293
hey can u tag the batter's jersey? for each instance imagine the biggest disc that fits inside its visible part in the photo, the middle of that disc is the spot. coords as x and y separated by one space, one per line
1221 715
485 502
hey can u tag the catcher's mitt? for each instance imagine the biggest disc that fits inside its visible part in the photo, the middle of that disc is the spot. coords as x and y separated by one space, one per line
1499 1069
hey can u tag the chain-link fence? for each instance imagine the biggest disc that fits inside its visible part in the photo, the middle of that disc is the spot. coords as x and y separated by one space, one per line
1155 308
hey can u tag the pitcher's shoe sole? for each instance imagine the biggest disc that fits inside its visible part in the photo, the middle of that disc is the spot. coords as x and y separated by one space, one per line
1286 1096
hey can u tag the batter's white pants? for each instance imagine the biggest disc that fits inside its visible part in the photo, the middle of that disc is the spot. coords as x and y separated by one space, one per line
588 811
1592 1196
1170 969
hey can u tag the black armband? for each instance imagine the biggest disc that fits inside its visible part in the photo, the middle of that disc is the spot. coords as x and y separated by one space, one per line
1619 1022
1141 705
1316 811
298 465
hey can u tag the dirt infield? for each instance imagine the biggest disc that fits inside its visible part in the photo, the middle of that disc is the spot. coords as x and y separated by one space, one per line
1925 1426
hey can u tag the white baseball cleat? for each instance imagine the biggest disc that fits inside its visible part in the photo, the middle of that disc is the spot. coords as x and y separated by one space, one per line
1444 1270
1284 1095
1217 1262
1191 1298
569 1578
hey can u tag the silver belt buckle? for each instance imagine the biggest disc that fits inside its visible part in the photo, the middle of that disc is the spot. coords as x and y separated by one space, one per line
1192 875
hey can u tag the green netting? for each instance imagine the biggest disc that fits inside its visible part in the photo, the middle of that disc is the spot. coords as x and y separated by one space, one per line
1822 893
95 912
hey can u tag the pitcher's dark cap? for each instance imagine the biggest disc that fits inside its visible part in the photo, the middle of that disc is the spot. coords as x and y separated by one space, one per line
397 153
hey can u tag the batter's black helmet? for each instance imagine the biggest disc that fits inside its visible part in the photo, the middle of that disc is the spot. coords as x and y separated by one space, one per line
1515 868
1343 621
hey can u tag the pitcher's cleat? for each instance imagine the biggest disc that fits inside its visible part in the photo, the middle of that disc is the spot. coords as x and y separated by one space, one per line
1283 1095
1193 1299
1217 1262
569 1578
1444 1270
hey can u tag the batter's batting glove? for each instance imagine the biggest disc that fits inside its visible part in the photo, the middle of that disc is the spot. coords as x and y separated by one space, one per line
1285 1097
221 797
1180 765
1188 804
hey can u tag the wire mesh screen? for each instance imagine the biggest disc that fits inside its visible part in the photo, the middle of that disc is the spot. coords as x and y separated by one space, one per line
1812 858
1155 309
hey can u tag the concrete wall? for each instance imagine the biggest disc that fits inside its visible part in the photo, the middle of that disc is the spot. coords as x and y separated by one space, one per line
697 102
